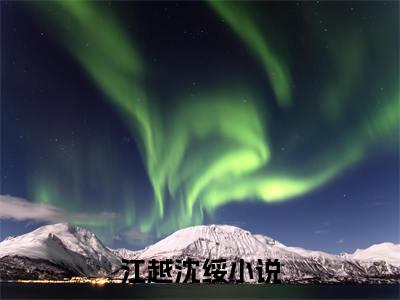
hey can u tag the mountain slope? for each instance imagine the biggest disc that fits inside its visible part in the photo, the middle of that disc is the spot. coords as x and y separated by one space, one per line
214 241
63 250
72 248
388 252
233 243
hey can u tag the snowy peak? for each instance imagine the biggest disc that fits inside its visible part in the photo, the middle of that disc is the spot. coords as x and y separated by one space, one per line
10 237
298 265
389 252
267 240
214 241
67 249
63 244
207 237
124 253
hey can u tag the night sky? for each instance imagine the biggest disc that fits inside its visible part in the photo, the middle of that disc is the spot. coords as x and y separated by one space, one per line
136 119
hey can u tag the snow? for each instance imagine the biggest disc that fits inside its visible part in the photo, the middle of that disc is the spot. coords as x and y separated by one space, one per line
230 241
124 253
215 241
81 251
65 244
312 253
388 252
297 264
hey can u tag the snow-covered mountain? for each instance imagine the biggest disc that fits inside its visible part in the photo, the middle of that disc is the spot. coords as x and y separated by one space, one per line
215 241
388 252
64 245
64 249
124 253
297 264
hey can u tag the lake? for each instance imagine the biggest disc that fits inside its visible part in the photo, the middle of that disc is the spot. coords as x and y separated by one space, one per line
196 291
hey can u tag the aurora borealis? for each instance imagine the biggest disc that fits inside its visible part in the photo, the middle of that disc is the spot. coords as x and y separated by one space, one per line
168 114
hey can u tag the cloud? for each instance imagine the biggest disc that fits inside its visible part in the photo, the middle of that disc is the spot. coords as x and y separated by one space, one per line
341 241
321 231
117 238
133 234
23 210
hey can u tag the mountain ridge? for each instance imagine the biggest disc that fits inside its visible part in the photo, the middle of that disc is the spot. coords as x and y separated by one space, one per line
77 251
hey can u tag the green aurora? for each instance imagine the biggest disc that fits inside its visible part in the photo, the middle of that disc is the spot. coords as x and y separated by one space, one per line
225 144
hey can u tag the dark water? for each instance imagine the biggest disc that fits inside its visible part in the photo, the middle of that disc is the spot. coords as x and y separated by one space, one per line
119 291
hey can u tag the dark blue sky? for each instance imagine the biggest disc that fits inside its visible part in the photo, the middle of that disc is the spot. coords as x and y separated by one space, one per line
63 142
